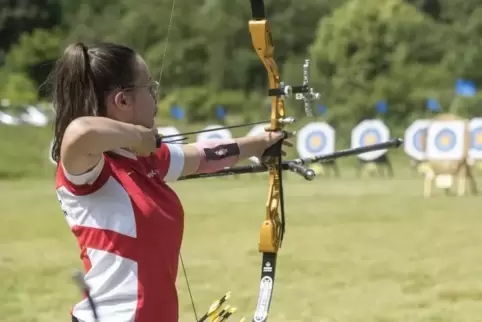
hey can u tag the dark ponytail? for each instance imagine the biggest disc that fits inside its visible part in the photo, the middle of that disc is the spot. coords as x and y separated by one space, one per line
81 79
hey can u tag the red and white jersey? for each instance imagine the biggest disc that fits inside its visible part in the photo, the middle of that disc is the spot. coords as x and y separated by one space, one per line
129 227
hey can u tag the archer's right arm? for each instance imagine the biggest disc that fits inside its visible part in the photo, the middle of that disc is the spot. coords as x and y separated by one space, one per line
87 138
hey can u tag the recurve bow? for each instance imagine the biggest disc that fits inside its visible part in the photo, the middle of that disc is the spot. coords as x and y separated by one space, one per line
273 228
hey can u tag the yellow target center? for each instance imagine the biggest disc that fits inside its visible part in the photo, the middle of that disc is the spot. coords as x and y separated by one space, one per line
478 138
315 141
421 139
445 140
370 139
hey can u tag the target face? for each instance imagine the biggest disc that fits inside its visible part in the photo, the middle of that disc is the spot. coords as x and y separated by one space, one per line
315 139
367 133
475 130
257 130
414 141
445 140
170 130
214 135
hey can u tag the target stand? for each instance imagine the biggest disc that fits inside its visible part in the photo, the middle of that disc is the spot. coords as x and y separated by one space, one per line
447 152
374 163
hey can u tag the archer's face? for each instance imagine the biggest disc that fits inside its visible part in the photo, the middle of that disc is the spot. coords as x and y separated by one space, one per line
135 104
144 107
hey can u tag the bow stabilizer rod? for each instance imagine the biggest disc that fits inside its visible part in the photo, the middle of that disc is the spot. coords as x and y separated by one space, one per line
297 165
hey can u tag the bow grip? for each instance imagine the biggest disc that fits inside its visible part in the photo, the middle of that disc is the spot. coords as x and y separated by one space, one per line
274 150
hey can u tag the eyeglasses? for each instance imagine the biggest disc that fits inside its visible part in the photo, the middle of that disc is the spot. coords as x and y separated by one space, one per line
153 88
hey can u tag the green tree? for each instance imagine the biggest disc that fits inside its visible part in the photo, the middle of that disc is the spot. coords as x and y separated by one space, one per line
33 56
379 49
18 17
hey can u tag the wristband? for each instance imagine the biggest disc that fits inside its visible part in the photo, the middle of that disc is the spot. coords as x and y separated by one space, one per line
215 155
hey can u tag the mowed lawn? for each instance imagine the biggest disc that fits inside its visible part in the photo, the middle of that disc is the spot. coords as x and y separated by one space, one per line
355 250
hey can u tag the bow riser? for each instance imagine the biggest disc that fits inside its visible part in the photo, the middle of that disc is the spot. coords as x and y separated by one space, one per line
264 47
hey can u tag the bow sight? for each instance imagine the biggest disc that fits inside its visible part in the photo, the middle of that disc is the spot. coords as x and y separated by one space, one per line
302 92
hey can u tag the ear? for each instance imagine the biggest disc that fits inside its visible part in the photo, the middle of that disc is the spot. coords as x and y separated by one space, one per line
122 100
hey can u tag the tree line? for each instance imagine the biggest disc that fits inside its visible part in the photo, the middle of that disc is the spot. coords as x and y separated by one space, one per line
401 52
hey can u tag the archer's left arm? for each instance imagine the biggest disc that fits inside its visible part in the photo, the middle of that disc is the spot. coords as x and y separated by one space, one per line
210 155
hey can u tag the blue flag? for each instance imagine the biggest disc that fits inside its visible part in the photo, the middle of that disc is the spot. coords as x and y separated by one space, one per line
433 105
465 87
381 106
177 112
220 113
322 109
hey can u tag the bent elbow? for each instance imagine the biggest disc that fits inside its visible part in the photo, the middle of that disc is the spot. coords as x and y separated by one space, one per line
78 135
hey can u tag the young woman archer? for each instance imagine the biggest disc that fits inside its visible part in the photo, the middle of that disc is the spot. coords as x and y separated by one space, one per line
111 181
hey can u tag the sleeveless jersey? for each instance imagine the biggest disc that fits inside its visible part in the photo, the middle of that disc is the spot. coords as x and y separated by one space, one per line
129 225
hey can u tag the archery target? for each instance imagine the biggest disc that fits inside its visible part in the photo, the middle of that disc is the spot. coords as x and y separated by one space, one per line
414 140
170 130
315 139
445 140
51 146
370 132
475 130
257 130
222 133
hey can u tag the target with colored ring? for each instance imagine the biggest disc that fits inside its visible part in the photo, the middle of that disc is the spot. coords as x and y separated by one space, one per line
314 139
476 138
367 133
370 137
419 139
315 142
475 147
415 139
445 140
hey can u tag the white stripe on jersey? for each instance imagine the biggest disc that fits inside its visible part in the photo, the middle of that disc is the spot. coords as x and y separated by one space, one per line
114 286
88 177
107 208
176 165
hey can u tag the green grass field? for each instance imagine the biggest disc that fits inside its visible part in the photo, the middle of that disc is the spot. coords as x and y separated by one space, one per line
355 250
